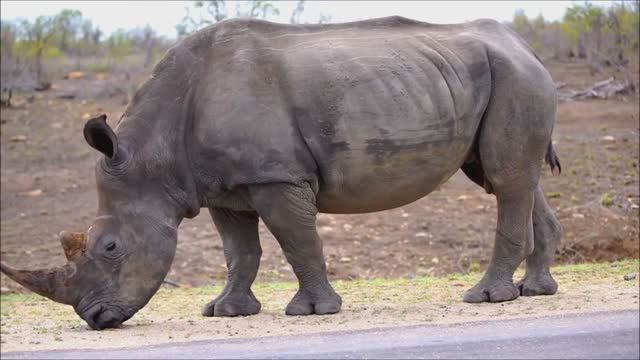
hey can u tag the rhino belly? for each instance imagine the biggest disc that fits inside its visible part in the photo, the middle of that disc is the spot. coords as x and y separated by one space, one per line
387 174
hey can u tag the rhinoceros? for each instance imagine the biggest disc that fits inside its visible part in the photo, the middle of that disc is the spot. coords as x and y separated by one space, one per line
253 119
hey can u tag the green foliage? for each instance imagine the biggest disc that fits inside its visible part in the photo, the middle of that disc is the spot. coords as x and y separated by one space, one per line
67 24
553 195
118 45
204 13
257 9
36 41
623 22
582 18
207 13
36 37
8 37
520 22
606 199
97 67
586 29
216 8
324 19
69 34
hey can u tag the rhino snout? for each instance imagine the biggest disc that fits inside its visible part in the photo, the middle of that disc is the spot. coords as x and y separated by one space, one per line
100 317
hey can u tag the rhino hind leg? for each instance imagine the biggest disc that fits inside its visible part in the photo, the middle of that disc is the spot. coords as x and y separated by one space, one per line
513 234
547 233
546 238
242 251
514 213
514 136
289 211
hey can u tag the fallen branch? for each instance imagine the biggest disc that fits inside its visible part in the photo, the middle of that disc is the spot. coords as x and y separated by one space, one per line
43 86
169 282
6 102
602 90
560 85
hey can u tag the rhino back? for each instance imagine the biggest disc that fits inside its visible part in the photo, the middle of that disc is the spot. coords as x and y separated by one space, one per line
376 113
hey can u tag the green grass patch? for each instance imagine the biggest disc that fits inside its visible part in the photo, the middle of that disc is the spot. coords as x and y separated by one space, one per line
553 195
185 303
606 199
97 67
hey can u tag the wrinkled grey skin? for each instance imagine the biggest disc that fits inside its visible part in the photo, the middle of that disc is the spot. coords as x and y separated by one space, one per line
258 120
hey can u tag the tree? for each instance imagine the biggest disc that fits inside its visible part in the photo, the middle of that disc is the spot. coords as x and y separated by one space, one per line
8 36
297 12
86 44
204 13
520 24
324 18
149 44
87 31
538 28
603 34
118 46
583 24
96 36
532 31
257 9
67 22
556 41
37 41
215 10
623 22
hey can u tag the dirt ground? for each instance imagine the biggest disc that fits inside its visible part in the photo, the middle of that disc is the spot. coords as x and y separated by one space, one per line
30 322
48 185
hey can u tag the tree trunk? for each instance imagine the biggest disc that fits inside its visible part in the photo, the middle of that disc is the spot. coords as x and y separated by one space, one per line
63 42
582 49
39 64
556 42
619 49
149 55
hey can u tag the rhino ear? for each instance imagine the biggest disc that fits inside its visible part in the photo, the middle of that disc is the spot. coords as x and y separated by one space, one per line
101 137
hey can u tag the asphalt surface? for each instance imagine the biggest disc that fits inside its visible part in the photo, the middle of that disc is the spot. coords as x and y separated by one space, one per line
606 335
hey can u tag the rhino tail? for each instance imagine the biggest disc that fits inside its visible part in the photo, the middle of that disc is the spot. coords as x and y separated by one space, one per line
551 158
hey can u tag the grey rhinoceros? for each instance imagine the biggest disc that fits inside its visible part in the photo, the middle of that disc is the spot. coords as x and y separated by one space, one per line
252 119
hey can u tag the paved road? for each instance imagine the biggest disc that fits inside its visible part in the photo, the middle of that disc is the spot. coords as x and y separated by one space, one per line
610 335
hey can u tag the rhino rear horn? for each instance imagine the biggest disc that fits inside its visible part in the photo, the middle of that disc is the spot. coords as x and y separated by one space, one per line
73 243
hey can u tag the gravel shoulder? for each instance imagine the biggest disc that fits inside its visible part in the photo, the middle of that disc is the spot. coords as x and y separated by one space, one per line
29 322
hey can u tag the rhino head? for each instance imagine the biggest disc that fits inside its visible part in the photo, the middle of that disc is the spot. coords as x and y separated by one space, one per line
116 266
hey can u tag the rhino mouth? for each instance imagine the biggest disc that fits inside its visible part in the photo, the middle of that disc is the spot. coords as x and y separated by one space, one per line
100 317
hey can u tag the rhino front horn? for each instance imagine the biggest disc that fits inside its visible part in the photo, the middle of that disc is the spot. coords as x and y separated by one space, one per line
73 243
51 283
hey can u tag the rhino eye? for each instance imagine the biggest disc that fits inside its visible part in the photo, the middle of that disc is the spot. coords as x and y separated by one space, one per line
111 246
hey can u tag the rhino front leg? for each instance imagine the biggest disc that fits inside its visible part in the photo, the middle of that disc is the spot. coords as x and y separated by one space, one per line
242 251
289 211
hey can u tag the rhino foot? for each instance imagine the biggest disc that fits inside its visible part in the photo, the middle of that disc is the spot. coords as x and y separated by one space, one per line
226 305
304 303
493 292
537 285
